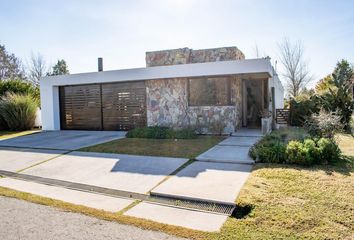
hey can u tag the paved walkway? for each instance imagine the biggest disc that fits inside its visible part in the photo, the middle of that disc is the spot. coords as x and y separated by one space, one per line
25 220
234 149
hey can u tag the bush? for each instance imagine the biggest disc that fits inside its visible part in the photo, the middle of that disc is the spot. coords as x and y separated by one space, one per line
158 132
324 124
186 133
19 87
297 153
270 149
302 108
329 151
18 111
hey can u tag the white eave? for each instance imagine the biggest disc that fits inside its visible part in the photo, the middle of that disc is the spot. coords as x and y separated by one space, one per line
257 67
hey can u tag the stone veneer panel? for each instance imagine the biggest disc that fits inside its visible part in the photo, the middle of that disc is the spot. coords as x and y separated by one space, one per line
186 55
167 105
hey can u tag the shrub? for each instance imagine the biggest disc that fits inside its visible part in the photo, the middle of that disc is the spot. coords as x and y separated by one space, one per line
186 133
158 132
270 149
297 153
312 150
303 108
19 87
18 111
324 124
329 151
275 148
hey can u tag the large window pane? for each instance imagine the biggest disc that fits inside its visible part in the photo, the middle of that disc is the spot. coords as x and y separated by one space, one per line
209 91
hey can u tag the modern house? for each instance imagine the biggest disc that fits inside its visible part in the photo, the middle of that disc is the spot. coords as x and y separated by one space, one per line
208 89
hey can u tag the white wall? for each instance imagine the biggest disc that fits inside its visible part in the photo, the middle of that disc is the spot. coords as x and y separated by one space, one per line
49 86
278 92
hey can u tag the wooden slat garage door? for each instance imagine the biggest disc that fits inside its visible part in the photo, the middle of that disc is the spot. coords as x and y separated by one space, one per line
114 106
80 107
124 105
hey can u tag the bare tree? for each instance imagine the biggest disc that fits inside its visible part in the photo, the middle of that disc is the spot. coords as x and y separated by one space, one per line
295 69
37 68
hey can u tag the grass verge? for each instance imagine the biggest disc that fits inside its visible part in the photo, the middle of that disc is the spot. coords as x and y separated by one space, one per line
12 134
116 217
186 148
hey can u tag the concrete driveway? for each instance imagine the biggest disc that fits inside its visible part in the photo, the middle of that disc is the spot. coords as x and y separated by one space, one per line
131 173
62 140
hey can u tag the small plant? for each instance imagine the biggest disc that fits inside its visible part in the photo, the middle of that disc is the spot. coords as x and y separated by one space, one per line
18 111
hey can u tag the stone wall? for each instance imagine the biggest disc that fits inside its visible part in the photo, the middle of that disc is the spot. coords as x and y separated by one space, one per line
187 55
167 105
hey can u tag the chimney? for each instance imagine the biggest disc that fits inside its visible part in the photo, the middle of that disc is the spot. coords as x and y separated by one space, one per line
100 64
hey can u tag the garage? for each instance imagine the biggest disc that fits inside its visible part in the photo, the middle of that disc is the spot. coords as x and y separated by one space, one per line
108 106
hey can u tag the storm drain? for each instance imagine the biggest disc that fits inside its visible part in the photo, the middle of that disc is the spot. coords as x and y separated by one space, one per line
196 205
201 205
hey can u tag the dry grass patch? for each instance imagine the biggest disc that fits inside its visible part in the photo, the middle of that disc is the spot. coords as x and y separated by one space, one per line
186 148
346 144
12 134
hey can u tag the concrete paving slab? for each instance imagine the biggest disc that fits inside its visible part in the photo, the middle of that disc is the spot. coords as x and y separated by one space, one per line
116 171
240 141
107 203
179 217
246 132
15 159
227 154
217 182
63 140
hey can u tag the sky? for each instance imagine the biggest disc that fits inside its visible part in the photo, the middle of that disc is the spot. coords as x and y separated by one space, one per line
122 31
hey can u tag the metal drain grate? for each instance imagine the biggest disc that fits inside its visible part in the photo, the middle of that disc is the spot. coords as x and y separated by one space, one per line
201 205
196 205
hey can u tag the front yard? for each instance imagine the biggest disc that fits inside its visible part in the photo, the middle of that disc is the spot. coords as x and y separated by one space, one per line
288 201
184 148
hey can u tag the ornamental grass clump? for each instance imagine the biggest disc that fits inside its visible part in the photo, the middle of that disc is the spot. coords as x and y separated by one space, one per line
18 111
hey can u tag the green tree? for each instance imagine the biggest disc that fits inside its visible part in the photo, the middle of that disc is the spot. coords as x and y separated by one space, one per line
339 97
10 66
325 84
60 68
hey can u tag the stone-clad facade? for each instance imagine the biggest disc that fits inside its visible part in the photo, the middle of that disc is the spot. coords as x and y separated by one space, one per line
167 99
167 105
187 55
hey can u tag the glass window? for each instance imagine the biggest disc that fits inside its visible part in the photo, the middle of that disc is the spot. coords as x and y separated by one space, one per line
209 91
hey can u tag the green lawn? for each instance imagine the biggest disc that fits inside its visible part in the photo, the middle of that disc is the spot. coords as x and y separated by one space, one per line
186 148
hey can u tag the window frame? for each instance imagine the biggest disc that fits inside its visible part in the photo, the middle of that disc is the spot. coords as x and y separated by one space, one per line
228 91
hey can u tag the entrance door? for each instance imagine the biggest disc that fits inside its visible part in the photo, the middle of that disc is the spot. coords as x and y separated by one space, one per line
252 102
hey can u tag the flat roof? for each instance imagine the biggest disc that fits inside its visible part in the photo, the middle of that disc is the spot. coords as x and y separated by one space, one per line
258 67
